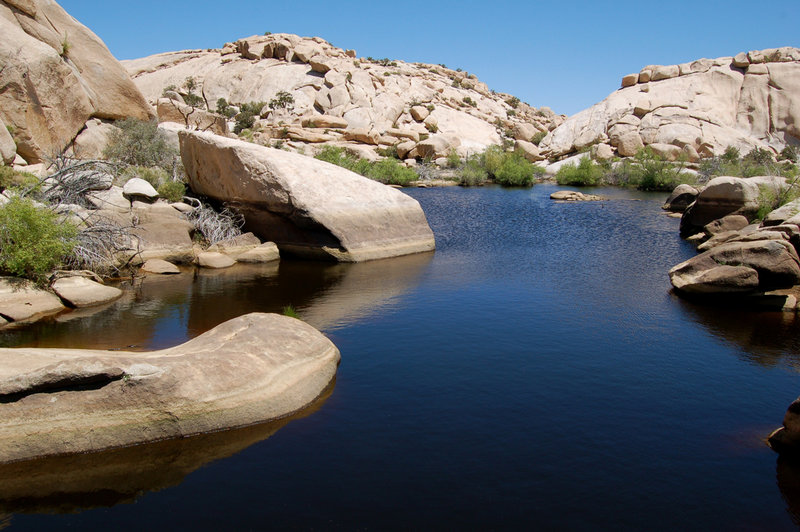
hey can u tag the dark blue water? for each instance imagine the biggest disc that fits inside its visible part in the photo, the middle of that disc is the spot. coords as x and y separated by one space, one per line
535 371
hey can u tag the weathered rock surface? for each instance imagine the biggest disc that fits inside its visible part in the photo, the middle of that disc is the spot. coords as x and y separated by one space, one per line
707 105
82 292
139 189
727 195
786 439
8 149
57 74
212 259
160 267
252 369
681 197
739 267
574 195
20 301
336 98
266 252
192 117
305 206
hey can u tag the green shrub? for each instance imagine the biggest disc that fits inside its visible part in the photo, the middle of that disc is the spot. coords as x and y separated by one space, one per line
515 171
190 98
225 109
172 190
389 171
538 137
10 178
392 172
657 174
248 113
389 151
453 159
585 173
469 101
290 311
430 126
513 102
139 143
769 199
790 153
473 173
34 240
492 158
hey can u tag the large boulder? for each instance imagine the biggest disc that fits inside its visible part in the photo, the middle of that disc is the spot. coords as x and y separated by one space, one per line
56 75
681 197
727 195
191 117
304 205
8 149
252 369
81 292
21 301
739 267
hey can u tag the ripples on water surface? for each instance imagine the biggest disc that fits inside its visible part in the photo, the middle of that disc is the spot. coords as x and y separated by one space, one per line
535 371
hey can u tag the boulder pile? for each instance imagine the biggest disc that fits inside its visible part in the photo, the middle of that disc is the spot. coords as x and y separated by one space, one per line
693 110
337 98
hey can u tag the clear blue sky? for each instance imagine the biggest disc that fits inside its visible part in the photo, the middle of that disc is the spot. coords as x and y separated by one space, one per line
567 55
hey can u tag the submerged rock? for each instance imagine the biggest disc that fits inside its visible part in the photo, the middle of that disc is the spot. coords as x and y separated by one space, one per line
161 267
251 369
573 195
82 292
306 206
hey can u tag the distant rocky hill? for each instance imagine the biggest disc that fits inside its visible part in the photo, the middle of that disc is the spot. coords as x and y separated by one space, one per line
698 108
341 99
55 76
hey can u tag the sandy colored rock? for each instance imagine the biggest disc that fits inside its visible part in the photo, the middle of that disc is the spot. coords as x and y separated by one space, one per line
194 118
8 149
210 259
160 267
137 188
112 199
21 301
630 80
82 292
90 143
705 99
51 91
252 369
681 197
164 238
574 195
629 144
732 222
782 214
266 252
739 267
419 113
727 195
602 152
529 150
325 121
304 205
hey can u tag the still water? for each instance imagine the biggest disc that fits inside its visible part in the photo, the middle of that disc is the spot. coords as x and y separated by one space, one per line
534 372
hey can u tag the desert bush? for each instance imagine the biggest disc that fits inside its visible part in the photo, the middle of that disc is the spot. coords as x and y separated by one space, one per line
10 178
225 109
248 113
189 97
34 240
153 175
585 173
139 143
513 102
215 226
472 173
391 172
388 171
453 159
515 171
171 190
790 153
469 101
282 100
656 174
538 137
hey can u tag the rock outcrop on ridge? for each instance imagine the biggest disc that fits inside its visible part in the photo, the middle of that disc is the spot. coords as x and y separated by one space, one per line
306 206
55 76
698 109
341 99
251 369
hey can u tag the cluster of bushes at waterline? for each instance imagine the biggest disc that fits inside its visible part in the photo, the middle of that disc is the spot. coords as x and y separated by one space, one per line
494 164
648 171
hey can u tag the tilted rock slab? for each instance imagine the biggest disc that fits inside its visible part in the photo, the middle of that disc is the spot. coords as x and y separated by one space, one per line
57 74
306 206
251 369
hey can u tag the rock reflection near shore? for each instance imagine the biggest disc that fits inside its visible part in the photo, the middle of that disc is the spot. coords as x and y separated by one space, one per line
162 311
68 484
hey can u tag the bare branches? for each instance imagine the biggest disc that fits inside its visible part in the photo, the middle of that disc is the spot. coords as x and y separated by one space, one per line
216 226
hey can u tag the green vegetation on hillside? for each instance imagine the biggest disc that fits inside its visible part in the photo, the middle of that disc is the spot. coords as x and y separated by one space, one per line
388 171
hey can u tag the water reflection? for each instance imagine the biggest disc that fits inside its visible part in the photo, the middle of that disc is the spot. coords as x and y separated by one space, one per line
767 338
161 311
68 484
788 478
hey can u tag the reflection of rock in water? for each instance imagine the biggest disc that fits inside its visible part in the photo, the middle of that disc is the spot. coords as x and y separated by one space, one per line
325 294
788 477
72 483
768 338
